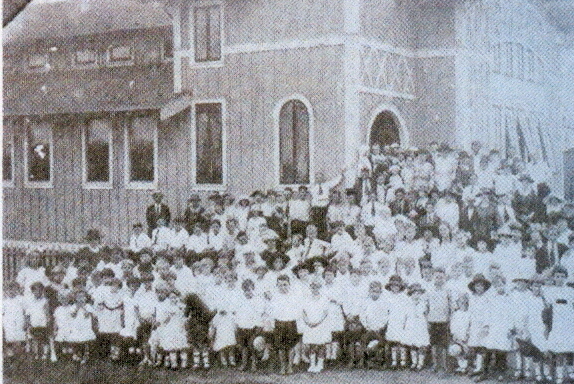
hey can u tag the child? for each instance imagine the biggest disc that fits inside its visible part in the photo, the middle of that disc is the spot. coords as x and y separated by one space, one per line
479 306
374 316
108 302
199 316
561 338
13 320
285 311
145 312
33 272
223 324
459 327
396 323
316 331
139 240
82 334
439 298
171 329
416 333
130 317
249 321
36 309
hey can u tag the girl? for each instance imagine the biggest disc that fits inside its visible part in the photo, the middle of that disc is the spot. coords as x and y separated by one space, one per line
416 334
249 321
37 321
397 315
13 320
479 305
333 290
316 331
199 316
459 328
82 334
33 272
145 313
222 329
560 298
171 328
131 321
109 312
63 323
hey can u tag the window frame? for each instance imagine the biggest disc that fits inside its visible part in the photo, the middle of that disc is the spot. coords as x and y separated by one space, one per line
111 63
192 35
145 185
39 184
8 183
193 126
277 122
97 184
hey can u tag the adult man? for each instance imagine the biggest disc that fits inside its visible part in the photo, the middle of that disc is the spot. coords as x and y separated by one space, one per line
320 193
157 211
194 213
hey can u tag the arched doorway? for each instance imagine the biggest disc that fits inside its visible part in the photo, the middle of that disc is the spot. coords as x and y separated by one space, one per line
385 129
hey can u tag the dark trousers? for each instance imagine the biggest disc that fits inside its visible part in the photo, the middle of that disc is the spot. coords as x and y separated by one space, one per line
319 219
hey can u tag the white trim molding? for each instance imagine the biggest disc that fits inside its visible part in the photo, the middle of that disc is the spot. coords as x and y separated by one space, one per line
39 184
209 187
8 137
388 93
277 139
151 185
403 131
98 184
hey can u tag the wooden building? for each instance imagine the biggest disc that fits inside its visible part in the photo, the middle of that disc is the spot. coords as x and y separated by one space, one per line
259 94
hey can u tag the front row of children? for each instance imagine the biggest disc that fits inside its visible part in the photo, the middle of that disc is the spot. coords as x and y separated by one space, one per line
392 325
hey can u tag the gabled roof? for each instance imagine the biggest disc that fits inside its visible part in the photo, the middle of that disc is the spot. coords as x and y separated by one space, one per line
68 18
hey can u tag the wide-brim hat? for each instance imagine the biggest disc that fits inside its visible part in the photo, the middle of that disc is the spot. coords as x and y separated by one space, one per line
395 280
158 194
479 278
93 235
310 263
274 256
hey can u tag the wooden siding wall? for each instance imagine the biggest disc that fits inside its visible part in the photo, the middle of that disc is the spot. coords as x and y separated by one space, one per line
253 84
65 212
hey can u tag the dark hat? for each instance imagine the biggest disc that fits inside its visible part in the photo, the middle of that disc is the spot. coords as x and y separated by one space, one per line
194 197
271 257
158 194
137 225
107 272
317 259
350 192
479 278
93 235
559 269
299 267
257 193
415 288
397 281
303 188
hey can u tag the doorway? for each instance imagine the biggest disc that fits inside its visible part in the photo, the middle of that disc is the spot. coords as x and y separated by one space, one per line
385 130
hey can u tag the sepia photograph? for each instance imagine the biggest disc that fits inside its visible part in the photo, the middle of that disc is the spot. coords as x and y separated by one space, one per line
287 191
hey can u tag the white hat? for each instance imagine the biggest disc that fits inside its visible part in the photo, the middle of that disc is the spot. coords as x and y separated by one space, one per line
259 343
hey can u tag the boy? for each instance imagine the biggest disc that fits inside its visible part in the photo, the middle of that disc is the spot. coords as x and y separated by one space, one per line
374 315
438 318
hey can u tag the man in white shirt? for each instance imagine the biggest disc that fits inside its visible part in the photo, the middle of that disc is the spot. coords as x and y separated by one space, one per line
139 239
180 234
320 193
162 236
299 208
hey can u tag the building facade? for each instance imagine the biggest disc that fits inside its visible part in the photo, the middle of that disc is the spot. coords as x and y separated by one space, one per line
267 94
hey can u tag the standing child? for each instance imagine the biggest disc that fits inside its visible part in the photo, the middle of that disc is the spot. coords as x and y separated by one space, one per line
374 316
130 317
249 322
397 317
285 311
223 324
316 331
82 336
416 333
439 299
37 321
459 328
109 312
479 306
171 330
13 320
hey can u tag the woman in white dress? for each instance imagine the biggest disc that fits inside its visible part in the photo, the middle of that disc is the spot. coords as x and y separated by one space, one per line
82 335
397 318
316 330
130 316
479 306
171 330
416 335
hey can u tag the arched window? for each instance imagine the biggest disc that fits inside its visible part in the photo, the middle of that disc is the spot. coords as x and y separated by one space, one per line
294 143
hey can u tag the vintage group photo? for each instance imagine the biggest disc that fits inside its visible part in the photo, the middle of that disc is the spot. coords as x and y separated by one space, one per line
288 191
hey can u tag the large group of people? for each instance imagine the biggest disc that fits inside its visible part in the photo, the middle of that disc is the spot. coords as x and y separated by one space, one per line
454 261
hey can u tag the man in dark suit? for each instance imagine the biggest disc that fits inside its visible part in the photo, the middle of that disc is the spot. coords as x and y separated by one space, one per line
400 205
551 250
364 186
157 211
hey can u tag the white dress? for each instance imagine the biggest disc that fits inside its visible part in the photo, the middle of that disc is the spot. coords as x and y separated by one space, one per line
131 321
500 323
478 307
535 326
63 321
28 276
397 317
13 318
224 321
416 332
459 326
171 333
109 320
561 337
315 309
335 319
37 309
81 329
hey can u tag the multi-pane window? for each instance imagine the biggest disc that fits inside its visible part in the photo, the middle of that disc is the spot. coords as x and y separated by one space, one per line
98 153
86 57
294 143
141 140
120 54
39 154
209 143
207 33
7 154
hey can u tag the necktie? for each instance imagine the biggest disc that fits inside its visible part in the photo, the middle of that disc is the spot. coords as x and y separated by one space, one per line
156 236
320 189
157 208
